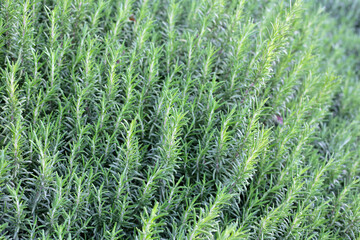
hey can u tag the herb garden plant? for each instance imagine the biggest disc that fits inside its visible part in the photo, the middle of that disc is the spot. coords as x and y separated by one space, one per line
179 119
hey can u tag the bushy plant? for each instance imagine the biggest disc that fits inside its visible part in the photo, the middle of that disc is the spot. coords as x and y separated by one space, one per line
179 119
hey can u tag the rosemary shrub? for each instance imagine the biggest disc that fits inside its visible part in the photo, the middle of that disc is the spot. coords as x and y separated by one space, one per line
179 119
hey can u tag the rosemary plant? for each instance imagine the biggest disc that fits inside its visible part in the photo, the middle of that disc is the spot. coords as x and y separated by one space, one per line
179 119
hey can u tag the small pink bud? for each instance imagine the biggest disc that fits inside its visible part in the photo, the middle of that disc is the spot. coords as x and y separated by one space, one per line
279 119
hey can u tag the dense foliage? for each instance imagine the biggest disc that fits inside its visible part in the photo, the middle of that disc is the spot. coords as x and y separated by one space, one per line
179 119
